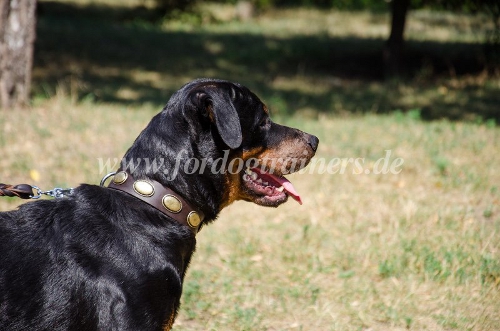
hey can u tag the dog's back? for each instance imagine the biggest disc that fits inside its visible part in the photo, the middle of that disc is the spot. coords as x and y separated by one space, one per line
89 262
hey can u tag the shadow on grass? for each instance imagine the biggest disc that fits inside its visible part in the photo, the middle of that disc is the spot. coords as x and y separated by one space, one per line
113 54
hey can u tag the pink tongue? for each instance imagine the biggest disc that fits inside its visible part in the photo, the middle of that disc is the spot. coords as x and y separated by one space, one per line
280 181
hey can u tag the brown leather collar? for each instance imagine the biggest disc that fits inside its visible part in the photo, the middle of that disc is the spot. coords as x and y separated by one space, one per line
160 197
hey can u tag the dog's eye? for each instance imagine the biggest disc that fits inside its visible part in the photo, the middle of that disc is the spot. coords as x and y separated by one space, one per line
265 123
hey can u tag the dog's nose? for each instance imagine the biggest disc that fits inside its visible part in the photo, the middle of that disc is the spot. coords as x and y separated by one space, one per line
313 141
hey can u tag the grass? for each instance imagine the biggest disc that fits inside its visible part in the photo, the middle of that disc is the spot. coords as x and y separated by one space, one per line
418 250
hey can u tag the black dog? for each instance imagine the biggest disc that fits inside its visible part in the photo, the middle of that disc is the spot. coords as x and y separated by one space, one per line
114 258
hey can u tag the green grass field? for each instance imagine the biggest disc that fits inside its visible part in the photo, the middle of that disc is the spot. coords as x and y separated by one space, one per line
418 250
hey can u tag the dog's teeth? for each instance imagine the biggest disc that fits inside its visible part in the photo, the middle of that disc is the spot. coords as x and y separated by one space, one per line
254 177
258 180
248 171
281 188
265 183
246 178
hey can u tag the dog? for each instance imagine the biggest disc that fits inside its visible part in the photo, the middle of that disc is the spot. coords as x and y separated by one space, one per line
114 258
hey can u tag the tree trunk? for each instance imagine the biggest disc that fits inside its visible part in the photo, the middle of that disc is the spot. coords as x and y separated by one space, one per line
17 37
394 45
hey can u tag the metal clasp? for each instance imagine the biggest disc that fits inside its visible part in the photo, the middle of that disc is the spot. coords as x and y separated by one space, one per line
56 192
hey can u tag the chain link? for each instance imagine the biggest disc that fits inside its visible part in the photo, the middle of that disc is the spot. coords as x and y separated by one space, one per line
56 192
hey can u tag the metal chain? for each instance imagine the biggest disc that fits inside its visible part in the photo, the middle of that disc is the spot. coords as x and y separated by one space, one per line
56 192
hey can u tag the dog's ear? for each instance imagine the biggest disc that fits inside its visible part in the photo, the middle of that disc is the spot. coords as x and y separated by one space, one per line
218 105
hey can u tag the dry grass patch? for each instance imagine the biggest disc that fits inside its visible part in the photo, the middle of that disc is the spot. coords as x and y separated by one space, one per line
419 250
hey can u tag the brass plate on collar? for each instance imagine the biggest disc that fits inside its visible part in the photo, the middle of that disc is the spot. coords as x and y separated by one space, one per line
144 188
193 219
120 177
171 203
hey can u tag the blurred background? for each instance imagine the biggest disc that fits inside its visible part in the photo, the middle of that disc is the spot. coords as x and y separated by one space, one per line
438 57
310 56
417 250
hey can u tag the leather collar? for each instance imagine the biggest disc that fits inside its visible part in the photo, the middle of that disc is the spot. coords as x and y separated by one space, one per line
159 197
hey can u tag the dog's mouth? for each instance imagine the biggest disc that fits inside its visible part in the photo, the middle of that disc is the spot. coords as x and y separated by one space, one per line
269 189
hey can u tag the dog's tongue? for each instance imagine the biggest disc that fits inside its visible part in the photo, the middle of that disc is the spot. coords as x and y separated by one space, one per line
280 181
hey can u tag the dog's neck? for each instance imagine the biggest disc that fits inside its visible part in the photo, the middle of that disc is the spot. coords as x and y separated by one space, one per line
160 197
170 164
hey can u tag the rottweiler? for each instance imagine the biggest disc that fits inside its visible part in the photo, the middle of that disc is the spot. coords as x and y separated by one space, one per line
114 257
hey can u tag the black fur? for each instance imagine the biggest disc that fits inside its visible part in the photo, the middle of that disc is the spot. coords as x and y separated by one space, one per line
104 260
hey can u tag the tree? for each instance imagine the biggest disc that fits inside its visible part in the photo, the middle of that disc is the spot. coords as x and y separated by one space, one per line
17 37
393 51
394 45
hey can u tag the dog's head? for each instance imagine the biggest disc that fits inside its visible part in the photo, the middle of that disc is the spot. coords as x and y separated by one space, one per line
262 152
218 139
